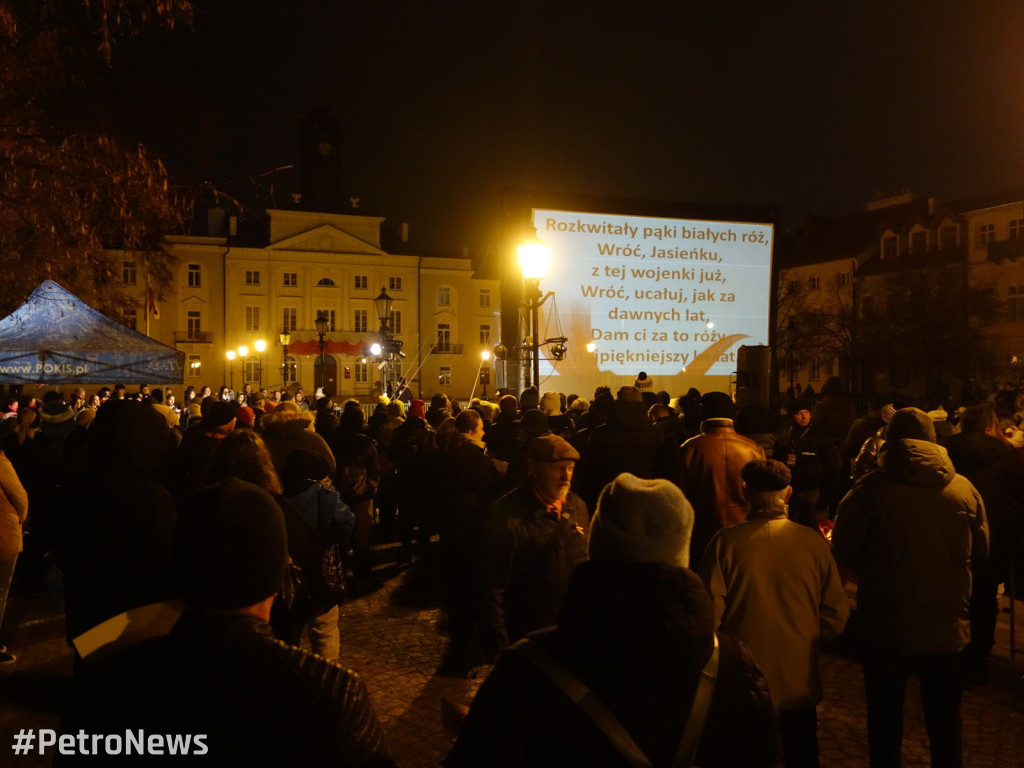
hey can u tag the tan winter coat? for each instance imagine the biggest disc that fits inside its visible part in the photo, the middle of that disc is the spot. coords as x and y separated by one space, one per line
13 510
775 586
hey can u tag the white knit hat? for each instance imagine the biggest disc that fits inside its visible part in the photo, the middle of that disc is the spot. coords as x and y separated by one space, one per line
644 521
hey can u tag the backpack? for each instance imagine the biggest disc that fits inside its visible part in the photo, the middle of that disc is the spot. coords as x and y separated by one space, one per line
323 510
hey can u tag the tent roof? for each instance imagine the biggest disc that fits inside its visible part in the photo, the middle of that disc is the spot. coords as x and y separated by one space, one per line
56 338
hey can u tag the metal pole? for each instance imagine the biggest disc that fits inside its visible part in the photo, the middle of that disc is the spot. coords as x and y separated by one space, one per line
535 322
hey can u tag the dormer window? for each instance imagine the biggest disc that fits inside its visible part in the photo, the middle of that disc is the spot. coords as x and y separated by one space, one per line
890 247
918 242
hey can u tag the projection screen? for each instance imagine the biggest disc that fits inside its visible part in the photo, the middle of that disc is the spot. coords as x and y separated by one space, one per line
674 298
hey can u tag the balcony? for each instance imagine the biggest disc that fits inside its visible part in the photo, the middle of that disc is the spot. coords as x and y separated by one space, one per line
198 337
1012 249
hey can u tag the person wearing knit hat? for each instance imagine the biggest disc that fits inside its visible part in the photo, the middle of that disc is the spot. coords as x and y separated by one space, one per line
912 532
634 631
416 409
641 521
643 382
551 404
769 567
812 455
539 536
220 674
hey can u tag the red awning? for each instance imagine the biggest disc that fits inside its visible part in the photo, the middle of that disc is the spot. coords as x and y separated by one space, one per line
312 347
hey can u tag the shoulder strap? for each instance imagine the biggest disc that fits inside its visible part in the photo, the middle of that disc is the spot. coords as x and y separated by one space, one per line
609 725
582 696
686 753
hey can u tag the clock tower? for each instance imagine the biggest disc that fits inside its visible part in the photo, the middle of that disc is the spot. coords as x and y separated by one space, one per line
321 182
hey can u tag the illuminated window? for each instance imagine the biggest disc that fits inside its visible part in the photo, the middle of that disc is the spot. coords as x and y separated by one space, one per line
444 377
290 370
195 365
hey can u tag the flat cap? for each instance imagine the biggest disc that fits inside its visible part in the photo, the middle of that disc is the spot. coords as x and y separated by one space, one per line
552 448
766 475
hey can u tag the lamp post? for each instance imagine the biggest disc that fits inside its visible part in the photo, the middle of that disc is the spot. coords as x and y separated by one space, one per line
261 347
231 369
321 331
285 338
243 353
533 261
388 346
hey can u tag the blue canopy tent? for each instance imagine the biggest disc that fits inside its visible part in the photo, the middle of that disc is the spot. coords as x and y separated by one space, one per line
56 338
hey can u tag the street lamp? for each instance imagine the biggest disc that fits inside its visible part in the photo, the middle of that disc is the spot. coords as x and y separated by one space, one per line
285 338
390 347
261 347
231 369
321 331
533 261
484 357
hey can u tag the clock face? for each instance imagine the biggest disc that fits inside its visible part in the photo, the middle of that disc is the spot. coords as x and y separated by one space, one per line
324 148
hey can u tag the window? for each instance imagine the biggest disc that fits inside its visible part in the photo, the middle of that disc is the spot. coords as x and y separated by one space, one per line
814 283
361 282
325 282
331 316
291 279
485 297
195 365
252 318
102 273
251 370
395 321
1016 229
793 287
444 377
193 324
890 247
444 296
817 318
290 369
130 317
129 272
485 376
986 233
362 373
948 236
195 273
814 369
394 283
843 279
918 242
252 277
444 337
360 322
485 335
289 319
1015 302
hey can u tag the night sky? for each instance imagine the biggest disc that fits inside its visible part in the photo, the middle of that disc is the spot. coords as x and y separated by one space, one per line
814 108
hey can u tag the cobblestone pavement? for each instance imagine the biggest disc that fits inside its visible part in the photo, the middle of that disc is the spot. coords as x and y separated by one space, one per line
394 638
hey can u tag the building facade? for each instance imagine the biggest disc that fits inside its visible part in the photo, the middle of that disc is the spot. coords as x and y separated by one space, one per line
235 296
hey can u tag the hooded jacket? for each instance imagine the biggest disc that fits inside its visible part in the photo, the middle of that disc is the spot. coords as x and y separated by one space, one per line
285 431
909 531
637 635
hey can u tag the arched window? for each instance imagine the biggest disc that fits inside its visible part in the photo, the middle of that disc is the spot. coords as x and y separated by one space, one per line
325 282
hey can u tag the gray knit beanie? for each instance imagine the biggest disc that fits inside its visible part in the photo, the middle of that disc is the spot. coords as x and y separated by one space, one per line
645 521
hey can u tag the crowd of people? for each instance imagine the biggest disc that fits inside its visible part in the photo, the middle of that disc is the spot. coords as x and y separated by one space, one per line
653 577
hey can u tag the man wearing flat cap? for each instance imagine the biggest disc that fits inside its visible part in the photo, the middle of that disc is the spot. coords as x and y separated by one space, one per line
775 586
537 537
910 532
